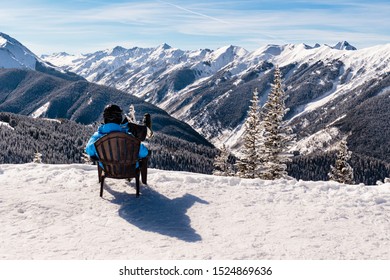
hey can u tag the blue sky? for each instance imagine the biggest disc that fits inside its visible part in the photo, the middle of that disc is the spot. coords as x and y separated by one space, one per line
82 26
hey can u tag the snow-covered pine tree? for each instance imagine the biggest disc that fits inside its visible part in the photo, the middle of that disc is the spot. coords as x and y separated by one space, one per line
37 157
276 135
86 159
247 165
342 172
222 167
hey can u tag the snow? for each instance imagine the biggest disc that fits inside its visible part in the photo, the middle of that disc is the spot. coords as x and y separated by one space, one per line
7 61
5 124
62 59
41 110
324 140
15 55
55 212
3 42
384 91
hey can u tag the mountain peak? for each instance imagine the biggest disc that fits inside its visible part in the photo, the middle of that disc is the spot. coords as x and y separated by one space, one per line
62 54
15 54
164 46
344 45
5 36
118 50
232 50
56 55
4 39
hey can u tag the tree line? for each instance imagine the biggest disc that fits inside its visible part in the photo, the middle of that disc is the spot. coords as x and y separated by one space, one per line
62 141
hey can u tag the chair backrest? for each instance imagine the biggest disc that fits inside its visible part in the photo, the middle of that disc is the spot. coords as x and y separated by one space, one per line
118 152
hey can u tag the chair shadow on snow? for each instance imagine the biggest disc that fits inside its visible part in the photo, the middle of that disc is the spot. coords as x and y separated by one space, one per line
155 212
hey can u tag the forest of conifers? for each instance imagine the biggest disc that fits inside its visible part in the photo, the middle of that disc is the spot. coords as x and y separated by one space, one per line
63 141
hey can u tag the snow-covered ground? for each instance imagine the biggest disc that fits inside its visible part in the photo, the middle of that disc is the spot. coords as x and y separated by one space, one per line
5 124
55 212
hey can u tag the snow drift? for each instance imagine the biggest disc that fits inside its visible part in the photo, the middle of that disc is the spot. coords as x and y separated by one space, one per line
55 212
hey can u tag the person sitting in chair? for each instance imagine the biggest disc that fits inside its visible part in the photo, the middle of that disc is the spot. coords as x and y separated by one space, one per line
113 122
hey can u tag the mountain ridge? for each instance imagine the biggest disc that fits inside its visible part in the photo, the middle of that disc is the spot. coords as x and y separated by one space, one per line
14 54
40 89
210 90
200 86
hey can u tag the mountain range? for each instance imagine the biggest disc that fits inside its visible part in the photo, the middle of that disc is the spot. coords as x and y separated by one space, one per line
333 91
32 87
13 54
327 87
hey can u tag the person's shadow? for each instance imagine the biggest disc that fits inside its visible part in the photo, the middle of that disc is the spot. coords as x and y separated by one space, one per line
156 213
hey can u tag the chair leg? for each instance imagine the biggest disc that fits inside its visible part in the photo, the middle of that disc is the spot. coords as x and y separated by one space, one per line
137 183
100 170
144 170
101 185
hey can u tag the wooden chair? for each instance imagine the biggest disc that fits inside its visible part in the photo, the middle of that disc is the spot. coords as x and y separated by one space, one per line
118 155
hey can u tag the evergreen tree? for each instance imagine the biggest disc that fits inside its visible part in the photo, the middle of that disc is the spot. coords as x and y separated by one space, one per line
342 172
86 159
222 167
37 157
276 135
248 163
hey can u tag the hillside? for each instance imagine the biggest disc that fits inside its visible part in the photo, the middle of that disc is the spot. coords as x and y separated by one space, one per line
63 141
55 212
36 94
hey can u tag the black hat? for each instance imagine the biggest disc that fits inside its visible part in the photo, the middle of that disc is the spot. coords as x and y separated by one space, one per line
112 114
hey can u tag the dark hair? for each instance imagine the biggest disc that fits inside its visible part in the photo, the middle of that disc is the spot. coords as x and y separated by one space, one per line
112 114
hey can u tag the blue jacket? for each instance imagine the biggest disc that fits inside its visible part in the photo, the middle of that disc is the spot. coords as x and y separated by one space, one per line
105 129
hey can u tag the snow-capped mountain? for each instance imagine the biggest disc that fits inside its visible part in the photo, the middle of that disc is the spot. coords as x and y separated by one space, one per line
33 87
332 93
133 69
13 54
328 86
344 46
211 89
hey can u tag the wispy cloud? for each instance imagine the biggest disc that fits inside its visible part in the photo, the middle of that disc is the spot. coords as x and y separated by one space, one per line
196 24
195 13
